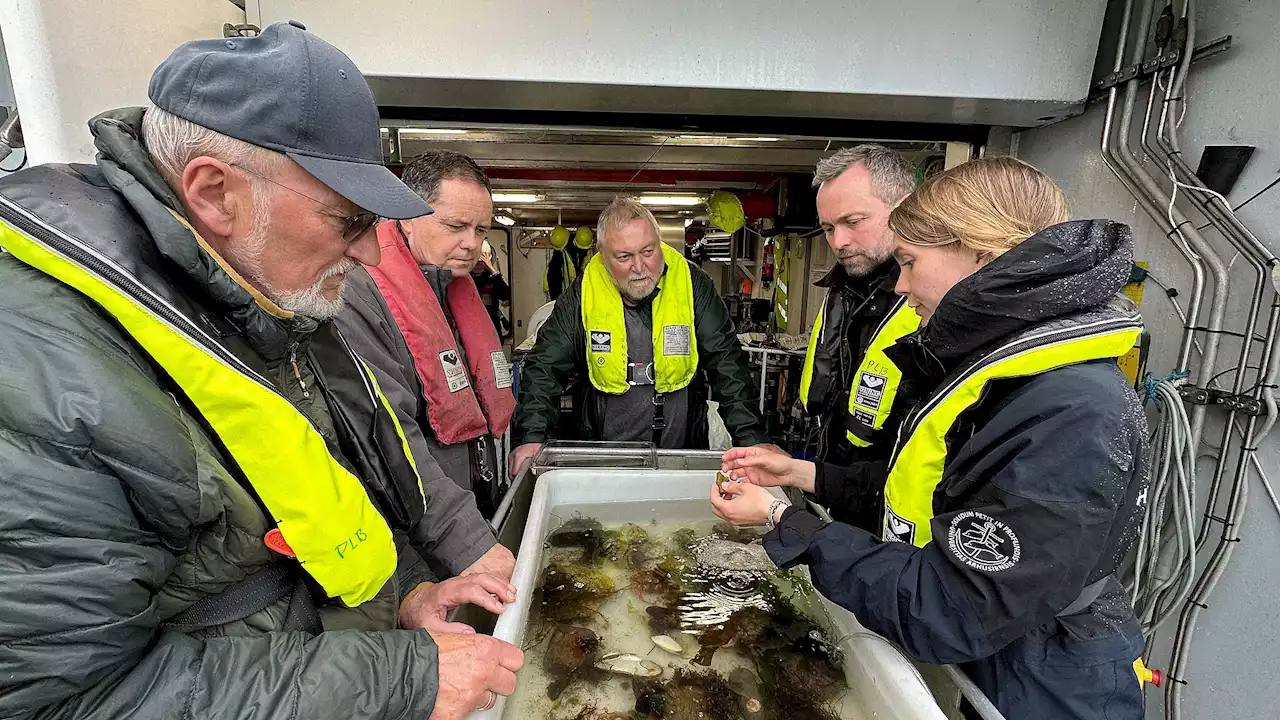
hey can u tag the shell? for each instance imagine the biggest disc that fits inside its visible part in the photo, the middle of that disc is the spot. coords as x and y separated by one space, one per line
629 664
668 643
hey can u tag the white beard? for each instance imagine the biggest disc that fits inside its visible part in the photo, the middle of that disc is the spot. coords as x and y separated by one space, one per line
310 301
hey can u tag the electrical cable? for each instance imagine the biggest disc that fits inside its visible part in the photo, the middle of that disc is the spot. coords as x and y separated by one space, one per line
1228 371
1251 198
657 150
1164 570
1172 294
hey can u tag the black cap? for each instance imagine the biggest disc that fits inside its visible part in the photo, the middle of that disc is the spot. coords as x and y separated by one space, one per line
292 92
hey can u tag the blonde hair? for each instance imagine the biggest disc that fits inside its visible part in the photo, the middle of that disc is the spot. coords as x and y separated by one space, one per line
621 212
989 206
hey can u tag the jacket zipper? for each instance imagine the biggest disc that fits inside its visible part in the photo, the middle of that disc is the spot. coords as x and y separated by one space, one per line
92 261
293 362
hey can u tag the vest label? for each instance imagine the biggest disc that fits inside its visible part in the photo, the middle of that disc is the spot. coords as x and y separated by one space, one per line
677 341
601 341
898 529
454 373
501 369
870 390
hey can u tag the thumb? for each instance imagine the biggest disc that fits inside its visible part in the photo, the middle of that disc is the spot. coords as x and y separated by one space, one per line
733 489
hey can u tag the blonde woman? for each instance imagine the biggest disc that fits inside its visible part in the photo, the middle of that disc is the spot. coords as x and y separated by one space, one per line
1015 488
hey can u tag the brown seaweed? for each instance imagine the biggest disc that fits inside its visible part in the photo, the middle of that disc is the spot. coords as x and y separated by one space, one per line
572 653
691 694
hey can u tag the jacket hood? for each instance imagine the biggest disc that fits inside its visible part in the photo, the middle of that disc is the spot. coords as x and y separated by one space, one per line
128 168
1063 270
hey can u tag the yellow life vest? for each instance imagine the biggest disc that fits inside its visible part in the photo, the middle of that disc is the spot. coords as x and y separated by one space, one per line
919 462
811 355
322 510
874 385
675 341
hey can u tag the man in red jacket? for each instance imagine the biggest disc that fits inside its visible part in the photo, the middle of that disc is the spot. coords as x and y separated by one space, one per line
421 302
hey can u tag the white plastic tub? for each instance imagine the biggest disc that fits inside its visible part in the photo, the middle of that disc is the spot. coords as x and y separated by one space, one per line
885 683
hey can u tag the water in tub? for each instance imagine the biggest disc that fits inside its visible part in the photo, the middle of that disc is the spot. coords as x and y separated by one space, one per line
653 610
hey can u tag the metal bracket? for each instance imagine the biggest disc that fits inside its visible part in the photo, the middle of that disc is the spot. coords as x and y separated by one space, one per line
1242 404
1163 61
1195 395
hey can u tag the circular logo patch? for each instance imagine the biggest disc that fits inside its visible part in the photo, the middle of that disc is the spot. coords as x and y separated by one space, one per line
983 543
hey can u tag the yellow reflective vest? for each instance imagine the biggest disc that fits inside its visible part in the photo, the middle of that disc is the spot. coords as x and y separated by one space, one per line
875 384
324 512
675 341
919 461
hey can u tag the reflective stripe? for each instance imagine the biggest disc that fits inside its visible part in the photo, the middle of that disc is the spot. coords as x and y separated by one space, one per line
404 441
810 355
875 385
920 462
675 340
321 509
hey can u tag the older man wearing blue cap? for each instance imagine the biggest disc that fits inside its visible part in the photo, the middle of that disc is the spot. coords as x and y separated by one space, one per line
201 484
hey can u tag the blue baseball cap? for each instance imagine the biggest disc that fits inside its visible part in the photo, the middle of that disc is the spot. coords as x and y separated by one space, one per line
289 91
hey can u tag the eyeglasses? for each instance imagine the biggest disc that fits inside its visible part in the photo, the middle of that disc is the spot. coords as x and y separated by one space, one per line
354 227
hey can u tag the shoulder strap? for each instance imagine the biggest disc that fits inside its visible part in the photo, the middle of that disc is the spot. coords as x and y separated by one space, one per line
250 596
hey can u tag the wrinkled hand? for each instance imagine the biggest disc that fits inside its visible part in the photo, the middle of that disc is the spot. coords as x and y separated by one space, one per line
744 506
758 466
427 605
519 455
472 666
498 561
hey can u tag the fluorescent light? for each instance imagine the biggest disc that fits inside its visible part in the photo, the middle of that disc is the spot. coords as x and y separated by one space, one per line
504 220
516 197
727 137
432 131
671 200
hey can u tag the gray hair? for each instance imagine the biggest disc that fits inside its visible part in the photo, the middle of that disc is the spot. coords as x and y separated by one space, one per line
892 177
426 172
622 212
172 142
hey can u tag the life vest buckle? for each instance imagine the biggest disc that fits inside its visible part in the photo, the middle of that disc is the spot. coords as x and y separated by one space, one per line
640 374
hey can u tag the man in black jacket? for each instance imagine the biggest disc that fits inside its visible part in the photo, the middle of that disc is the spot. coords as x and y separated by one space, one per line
659 337
857 189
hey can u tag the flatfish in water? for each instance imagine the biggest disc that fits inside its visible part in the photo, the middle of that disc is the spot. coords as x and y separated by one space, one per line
726 577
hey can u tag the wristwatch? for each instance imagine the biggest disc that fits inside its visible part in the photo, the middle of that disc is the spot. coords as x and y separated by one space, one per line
773 510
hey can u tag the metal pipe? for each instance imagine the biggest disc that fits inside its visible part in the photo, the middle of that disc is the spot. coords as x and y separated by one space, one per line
1173 159
981 705
1225 220
1180 226
1148 202
1236 506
